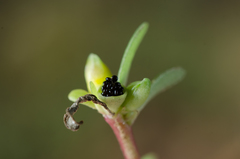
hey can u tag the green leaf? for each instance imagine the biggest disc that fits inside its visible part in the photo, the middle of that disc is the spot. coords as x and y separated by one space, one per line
164 81
149 156
130 52
76 93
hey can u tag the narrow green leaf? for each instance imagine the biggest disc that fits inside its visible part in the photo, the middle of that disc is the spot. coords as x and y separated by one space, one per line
130 52
76 93
164 81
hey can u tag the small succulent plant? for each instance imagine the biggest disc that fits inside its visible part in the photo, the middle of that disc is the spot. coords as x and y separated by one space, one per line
119 103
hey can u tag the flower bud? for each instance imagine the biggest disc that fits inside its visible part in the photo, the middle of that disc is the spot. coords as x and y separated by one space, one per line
137 94
95 71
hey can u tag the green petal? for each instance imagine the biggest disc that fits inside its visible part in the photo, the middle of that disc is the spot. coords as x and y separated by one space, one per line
130 52
76 93
164 81
137 94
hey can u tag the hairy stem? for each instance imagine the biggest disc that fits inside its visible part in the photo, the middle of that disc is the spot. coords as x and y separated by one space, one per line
124 136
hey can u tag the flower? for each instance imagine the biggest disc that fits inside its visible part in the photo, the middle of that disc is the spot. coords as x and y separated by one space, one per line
135 95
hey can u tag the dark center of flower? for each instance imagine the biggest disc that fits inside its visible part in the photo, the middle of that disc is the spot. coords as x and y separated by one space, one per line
111 87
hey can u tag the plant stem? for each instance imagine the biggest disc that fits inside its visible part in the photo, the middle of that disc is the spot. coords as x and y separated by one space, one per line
123 133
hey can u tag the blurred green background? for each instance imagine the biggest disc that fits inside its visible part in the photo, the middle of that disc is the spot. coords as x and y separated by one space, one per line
43 49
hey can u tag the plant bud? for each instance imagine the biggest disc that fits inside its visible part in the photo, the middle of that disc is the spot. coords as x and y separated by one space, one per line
137 94
95 71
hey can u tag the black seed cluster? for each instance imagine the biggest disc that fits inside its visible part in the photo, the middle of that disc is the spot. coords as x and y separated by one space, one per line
111 87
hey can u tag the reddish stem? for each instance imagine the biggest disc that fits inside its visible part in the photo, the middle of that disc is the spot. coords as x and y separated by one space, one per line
123 133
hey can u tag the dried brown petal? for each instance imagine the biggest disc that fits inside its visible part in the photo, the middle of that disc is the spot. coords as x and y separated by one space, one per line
68 119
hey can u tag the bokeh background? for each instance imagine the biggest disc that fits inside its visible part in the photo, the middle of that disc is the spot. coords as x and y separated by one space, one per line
43 49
